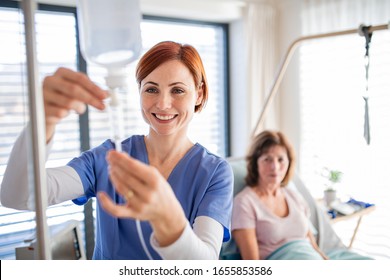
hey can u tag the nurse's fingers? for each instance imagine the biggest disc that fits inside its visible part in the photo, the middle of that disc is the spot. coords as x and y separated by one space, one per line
144 173
121 211
124 182
76 86
61 102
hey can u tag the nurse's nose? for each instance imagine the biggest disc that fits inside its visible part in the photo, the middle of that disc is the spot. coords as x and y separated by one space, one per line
164 101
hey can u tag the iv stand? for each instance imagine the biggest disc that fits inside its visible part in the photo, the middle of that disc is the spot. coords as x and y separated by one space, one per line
287 58
36 168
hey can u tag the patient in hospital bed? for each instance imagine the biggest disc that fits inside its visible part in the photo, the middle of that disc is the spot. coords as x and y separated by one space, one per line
271 218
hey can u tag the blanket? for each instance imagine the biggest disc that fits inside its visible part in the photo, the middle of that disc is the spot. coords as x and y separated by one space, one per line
295 250
302 250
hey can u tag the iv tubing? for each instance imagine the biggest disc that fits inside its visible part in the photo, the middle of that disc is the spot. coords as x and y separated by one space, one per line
116 119
141 238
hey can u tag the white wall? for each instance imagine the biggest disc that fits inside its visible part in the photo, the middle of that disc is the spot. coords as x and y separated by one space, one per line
207 10
290 30
239 122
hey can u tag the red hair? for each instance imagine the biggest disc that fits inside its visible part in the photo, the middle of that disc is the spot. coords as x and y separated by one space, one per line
167 51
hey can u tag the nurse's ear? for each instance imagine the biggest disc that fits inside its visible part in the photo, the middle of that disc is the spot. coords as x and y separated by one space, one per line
199 99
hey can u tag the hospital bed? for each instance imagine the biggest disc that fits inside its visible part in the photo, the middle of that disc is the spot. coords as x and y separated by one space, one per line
327 239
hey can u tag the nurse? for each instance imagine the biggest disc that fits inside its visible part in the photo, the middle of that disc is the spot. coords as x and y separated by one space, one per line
163 197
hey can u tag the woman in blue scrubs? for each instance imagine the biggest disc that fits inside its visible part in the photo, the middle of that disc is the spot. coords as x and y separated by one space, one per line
162 197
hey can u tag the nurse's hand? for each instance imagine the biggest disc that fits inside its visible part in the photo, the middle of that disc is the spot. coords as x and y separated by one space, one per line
149 197
67 90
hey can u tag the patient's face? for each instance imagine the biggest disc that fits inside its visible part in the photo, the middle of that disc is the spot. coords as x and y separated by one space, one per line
273 165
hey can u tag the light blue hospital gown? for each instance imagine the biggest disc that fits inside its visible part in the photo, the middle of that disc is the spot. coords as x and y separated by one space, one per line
201 181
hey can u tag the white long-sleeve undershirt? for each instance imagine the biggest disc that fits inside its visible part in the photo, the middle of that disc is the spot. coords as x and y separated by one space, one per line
203 241
63 183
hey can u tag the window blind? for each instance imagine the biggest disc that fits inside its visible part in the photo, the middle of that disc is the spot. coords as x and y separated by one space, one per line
207 127
56 46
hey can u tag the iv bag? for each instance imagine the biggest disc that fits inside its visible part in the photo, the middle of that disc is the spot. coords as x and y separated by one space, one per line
110 34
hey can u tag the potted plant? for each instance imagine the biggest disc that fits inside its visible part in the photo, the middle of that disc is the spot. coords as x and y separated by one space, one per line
333 178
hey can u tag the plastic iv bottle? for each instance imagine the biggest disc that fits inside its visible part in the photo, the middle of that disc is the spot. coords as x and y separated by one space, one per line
110 37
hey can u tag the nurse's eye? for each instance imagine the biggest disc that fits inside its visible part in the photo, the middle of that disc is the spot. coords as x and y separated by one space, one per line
177 90
151 90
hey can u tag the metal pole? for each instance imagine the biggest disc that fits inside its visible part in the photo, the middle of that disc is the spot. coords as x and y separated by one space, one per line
287 58
37 130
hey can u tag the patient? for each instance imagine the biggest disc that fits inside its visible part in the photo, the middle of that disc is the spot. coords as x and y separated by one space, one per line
270 220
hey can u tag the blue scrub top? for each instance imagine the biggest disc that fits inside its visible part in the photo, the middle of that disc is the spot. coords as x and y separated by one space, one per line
201 181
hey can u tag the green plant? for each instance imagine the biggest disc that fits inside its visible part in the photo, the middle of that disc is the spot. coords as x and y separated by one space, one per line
333 176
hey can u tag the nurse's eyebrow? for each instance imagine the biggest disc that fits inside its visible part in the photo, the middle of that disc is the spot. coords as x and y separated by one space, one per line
171 84
153 83
177 83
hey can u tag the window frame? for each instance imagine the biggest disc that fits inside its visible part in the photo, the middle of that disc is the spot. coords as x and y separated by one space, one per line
84 119
225 73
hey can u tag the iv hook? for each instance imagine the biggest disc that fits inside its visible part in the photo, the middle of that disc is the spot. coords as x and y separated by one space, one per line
364 31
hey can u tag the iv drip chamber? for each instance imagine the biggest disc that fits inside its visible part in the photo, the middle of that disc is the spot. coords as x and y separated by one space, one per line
115 114
110 37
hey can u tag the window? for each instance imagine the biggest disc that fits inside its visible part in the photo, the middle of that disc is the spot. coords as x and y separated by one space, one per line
57 46
55 35
332 113
207 127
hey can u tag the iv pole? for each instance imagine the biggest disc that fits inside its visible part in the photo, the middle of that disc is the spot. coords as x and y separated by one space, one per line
287 58
36 167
